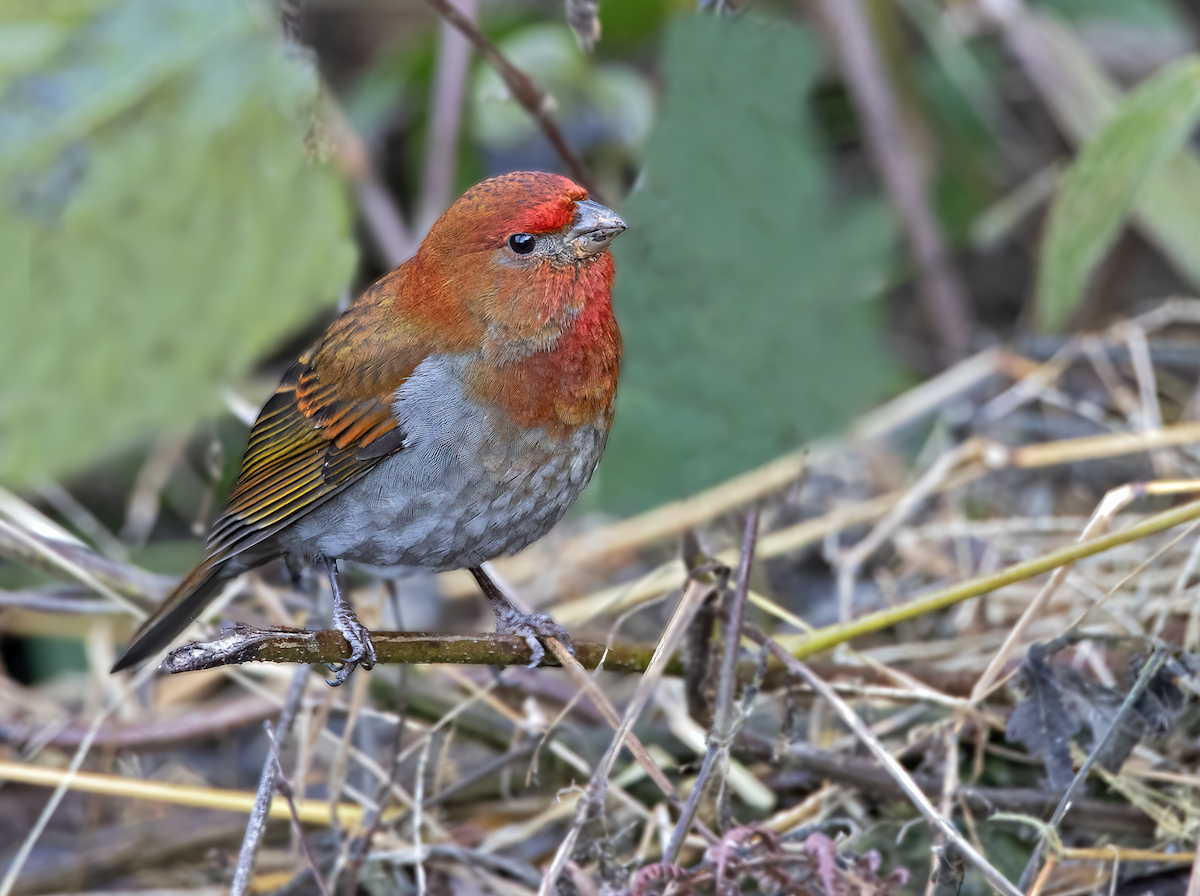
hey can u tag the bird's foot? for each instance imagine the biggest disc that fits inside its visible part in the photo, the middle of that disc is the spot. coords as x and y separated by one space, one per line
534 628
362 652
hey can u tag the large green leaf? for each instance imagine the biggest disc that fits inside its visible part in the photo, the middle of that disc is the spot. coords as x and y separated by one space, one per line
1098 191
744 281
161 226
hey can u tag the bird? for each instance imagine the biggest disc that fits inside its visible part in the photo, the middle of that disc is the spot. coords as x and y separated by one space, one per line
453 413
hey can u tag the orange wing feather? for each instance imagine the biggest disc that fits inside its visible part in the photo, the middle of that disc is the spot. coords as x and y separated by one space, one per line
321 430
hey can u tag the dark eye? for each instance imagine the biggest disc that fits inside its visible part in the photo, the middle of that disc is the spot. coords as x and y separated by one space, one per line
521 243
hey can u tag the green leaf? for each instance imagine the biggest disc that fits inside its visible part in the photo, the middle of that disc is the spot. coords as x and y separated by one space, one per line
1098 191
745 278
161 226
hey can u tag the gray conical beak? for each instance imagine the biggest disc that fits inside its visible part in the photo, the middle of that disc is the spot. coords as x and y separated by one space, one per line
594 228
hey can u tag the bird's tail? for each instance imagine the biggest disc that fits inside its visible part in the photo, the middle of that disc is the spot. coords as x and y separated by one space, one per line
175 613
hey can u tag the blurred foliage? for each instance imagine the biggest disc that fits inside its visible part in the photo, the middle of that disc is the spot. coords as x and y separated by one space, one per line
1083 100
744 280
161 226
609 103
1097 192
1153 14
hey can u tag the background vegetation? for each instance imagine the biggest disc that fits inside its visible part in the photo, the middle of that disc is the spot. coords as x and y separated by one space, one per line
830 202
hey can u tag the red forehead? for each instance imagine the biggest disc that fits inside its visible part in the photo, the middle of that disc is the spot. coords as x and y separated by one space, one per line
530 201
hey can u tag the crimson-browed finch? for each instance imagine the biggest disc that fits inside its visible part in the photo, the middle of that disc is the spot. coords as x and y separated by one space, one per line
452 414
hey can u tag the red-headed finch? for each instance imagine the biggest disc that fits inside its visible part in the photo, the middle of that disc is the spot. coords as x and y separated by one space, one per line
452 414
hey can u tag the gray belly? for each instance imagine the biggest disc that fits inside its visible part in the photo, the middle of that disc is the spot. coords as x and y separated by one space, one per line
458 493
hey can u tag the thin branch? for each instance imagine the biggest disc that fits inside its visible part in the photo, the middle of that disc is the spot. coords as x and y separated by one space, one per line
609 711
385 224
723 727
943 297
208 721
296 646
383 794
115 580
693 597
418 801
524 90
282 645
285 790
446 101
266 788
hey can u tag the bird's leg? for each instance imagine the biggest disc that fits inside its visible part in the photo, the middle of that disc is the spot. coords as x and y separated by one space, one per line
511 621
345 621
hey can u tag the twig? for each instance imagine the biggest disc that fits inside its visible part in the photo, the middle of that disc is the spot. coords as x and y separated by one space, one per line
285 790
384 792
723 726
943 298
266 788
209 721
1148 670
16 543
295 646
724 717
693 597
281 645
385 224
524 90
884 757
446 101
605 705
418 800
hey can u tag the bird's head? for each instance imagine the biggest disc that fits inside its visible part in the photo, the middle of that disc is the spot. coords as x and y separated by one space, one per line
520 257
526 219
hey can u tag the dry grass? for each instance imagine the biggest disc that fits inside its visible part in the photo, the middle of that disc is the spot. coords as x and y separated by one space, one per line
1004 503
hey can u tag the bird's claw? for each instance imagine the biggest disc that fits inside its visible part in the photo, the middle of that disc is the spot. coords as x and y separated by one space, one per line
534 628
362 652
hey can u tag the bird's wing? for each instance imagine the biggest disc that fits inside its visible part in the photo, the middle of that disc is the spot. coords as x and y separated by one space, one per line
305 447
327 425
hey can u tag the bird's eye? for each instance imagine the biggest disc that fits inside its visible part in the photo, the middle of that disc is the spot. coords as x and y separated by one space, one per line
521 243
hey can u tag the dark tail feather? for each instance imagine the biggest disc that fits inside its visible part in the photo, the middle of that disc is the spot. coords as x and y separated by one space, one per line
175 613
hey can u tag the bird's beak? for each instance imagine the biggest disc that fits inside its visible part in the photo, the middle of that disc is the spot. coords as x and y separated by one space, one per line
594 227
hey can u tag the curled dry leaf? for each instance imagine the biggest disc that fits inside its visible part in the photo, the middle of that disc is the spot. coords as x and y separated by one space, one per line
1060 701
